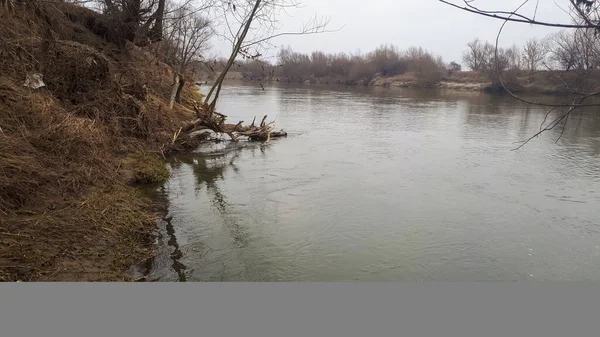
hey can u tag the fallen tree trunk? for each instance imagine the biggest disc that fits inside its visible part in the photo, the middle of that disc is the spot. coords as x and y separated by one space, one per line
208 119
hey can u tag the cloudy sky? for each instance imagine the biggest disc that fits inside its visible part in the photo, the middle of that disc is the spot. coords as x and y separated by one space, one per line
405 23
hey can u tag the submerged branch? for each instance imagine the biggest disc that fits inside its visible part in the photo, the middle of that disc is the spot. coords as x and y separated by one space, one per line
208 119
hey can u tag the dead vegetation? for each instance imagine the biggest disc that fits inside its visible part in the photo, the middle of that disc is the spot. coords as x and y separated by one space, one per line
208 119
69 150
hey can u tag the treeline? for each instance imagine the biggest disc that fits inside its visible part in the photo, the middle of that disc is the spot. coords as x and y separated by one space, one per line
570 57
577 49
385 61
342 68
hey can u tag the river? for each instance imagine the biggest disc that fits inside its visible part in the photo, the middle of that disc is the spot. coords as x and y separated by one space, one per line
376 184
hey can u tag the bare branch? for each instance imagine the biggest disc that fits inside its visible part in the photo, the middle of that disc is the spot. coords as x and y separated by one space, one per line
520 19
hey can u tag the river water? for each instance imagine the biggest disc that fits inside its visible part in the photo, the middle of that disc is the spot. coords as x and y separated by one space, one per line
376 184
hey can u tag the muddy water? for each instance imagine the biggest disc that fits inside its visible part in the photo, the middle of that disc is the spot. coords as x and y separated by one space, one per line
384 185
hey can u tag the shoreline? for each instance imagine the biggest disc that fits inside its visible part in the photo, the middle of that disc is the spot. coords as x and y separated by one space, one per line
463 82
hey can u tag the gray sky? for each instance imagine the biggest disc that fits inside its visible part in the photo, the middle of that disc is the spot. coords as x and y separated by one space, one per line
427 23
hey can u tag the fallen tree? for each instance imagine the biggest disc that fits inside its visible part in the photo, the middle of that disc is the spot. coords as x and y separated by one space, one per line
206 118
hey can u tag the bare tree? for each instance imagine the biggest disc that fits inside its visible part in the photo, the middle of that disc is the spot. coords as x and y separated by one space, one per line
250 25
296 66
143 21
319 64
387 60
513 58
575 50
128 18
496 62
453 67
583 15
562 50
587 49
188 38
534 54
476 55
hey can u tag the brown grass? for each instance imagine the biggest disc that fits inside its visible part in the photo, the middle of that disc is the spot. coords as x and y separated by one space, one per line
68 151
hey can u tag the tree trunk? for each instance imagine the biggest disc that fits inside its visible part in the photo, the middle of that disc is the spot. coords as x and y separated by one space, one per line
132 17
179 89
236 49
157 30
174 91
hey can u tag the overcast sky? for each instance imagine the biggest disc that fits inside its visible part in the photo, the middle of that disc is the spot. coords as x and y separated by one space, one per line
427 23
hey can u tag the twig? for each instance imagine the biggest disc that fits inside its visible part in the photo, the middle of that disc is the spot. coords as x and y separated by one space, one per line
556 121
237 125
18 234
509 18
262 123
563 129
552 125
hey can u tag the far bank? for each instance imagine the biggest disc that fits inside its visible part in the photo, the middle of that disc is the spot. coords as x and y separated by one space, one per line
555 83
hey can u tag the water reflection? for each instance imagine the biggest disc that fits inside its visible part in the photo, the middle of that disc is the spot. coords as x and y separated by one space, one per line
208 169
165 264
176 254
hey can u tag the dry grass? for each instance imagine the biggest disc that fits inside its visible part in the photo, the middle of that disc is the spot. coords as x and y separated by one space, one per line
92 238
68 151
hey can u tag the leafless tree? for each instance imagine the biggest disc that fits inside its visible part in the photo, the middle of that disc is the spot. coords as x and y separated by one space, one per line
587 49
453 67
384 61
251 25
143 21
128 18
583 15
513 58
476 55
534 54
187 38
562 50
387 60
319 64
295 66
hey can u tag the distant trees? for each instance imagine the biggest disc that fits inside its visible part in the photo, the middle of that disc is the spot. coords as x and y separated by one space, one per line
294 65
319 64
563 52
481 56
513 58
477 54
385 60
453 67
577 49
534 54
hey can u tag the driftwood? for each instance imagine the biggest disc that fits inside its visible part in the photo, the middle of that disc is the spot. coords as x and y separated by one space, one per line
208 119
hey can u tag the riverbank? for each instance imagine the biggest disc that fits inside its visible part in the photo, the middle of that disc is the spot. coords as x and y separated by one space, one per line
467 81
470 82
75 147
555 83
